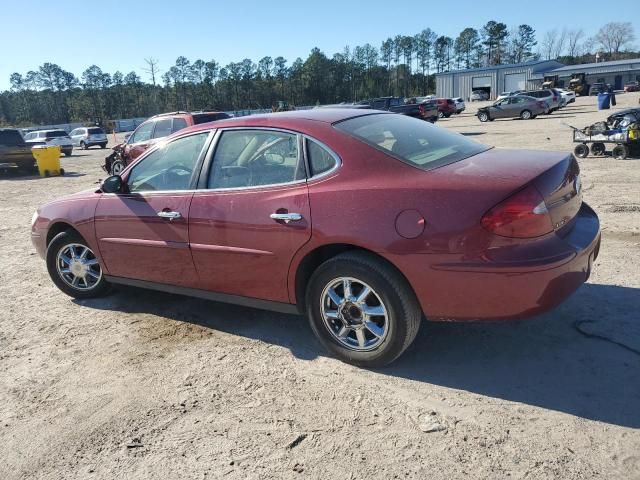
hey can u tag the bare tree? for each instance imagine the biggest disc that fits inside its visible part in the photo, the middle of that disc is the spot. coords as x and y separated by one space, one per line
574 45
560 43
615 36
152 68
548 45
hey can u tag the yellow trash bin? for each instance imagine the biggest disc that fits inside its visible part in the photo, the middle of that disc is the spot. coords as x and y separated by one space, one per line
48 160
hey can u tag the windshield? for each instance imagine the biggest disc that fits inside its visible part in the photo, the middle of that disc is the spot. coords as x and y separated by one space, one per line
413 141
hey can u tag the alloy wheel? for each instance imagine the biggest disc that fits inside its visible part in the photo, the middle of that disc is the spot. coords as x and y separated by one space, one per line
78 266
354 314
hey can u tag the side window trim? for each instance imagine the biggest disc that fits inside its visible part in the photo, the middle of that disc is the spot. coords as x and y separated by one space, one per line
197 168
205 171
336 157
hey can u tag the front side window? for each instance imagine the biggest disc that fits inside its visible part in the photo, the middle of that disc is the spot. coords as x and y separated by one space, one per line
320 160
10 137
163 128
178 124
143 133
413 141
170 167
250 158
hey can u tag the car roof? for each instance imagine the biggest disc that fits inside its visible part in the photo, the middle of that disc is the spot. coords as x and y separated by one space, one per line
326 116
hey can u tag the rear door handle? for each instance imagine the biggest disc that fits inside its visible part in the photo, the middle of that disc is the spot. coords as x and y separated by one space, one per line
286 217
169 215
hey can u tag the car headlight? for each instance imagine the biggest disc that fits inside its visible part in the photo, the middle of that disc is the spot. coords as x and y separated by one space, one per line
34 218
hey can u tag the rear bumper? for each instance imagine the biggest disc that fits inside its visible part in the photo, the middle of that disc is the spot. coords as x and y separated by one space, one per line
468 290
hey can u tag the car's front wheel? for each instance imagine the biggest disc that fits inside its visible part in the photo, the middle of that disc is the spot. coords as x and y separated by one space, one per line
83 146
483 117
525 115
117 167
362 310
74 267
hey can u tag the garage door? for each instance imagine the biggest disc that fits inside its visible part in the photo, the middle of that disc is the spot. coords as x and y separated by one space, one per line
481 82
515 81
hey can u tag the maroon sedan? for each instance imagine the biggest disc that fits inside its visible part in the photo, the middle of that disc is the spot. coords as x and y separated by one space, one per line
363 220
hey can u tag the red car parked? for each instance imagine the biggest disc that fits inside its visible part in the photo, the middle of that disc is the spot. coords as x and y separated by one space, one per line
363 220
446 107
154 130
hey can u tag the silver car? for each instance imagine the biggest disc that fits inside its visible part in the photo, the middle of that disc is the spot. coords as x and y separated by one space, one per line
51 137
85 137
513 107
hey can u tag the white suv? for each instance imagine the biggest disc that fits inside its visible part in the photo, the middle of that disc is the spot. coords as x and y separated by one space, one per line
51 137
86 137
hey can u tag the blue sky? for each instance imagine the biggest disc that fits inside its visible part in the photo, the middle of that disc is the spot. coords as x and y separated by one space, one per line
118 35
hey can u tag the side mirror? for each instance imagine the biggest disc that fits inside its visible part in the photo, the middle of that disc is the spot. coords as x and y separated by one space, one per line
113 184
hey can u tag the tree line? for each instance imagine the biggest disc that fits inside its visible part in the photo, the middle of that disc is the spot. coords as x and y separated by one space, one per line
403 65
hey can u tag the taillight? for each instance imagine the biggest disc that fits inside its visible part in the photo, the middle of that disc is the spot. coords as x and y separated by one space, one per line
522 215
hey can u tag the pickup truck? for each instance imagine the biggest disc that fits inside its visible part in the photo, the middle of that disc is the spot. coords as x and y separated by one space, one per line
424 111
14 151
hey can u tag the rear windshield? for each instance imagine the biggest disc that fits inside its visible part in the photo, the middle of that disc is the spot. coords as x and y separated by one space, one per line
95 131
56 133
411 140
208 117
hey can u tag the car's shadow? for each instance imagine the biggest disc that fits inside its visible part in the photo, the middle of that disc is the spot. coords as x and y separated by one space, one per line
582 359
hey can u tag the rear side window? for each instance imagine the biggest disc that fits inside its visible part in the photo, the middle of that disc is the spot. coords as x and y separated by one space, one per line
320 160
10 137
413 141
250 158
178 124
163 128
209 117
56 133
95 131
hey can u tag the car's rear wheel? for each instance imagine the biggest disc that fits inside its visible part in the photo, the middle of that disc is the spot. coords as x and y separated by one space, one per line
67 154
525 115
103 145
74 268
362 310
440 114
117 167
83 146
483 117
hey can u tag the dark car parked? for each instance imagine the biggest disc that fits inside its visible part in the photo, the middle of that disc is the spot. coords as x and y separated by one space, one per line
363 220
14 151
399 106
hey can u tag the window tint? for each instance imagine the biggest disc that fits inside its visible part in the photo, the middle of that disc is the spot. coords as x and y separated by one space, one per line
178 124
170 167
249 158
10 137
56 133
208 117
94 131
142 134
414 141
163 128
320 160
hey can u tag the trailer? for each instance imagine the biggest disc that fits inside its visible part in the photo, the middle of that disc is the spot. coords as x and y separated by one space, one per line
625 143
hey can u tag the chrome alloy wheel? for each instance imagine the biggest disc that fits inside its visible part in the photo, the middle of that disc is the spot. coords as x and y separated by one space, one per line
78 266
117 168
354 314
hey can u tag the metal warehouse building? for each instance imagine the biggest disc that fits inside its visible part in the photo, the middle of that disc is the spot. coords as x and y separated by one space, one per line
494 79
616 73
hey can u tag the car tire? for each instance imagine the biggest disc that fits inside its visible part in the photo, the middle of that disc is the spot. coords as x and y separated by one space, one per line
83 146
103 145
117 167
356 334
447 115
67 253
483 117
525 115
581 150
620 152
67 154
440 114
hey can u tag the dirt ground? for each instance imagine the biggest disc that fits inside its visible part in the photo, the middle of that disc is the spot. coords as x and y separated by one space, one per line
150 385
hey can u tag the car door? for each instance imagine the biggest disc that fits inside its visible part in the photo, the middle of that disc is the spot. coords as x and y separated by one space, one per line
143 232
253 214
13 149
498 109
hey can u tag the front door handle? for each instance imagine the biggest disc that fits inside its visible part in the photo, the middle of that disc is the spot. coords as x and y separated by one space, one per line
286 217
169 215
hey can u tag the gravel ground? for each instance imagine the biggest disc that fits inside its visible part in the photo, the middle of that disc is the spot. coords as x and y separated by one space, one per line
150 385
